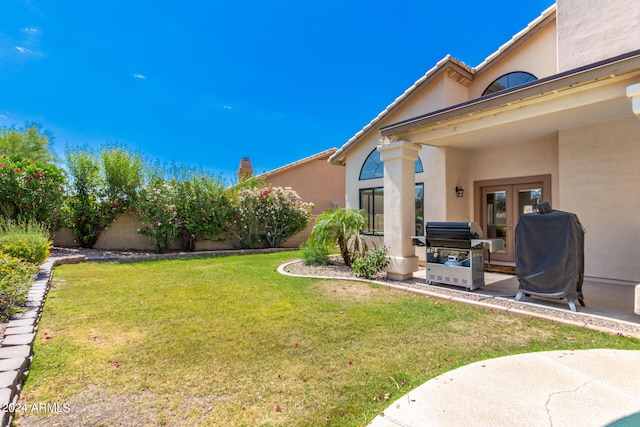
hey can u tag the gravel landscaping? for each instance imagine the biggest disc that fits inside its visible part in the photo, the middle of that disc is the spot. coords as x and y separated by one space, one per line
337 269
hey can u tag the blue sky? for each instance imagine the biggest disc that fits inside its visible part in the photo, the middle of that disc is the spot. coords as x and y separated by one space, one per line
205 83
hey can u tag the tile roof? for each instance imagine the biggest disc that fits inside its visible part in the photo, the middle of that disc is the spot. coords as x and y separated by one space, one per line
319 156
446 62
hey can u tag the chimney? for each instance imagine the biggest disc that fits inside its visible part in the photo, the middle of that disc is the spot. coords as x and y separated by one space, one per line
245 171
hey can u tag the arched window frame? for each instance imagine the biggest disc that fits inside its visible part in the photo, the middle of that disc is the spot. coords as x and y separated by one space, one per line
378 171
530 78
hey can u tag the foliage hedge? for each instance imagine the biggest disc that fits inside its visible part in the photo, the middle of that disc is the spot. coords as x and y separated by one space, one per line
23 246
16 277
171 202
30 190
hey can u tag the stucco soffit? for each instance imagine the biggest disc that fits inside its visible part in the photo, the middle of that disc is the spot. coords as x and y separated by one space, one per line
446 63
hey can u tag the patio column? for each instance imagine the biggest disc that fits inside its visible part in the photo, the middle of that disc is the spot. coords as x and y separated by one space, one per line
399 207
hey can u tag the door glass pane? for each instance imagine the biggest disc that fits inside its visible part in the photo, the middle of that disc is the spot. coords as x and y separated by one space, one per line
378 210
528 200
497 216
366 204
419 210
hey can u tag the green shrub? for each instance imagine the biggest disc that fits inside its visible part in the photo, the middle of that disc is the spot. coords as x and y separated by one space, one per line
371 263
158 214
28 241
30 191
315 255
16 277
103 184
342 228
203 210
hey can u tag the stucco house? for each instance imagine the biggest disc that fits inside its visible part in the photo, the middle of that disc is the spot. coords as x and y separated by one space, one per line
553 115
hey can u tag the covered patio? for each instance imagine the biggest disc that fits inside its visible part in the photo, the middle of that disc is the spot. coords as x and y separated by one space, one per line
574 129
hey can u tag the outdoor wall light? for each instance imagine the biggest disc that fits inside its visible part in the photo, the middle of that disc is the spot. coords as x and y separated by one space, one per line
459 191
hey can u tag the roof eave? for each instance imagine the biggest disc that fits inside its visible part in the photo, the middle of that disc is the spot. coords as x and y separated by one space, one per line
532 28
298 163
614 66
445 63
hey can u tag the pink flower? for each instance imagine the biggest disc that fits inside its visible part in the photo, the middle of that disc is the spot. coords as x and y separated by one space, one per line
295 345
278 408
116 364
38 175
350 362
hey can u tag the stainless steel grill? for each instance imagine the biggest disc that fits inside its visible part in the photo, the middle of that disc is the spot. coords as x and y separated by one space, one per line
455 256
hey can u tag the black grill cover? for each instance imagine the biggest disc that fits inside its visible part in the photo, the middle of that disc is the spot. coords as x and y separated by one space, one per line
550 254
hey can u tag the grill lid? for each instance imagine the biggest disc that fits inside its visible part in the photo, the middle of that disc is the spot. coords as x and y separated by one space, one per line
452 234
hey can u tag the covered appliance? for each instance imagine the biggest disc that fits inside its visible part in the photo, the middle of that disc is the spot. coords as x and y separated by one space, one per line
454 256
549 251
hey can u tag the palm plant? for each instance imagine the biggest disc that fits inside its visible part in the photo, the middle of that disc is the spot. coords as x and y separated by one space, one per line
341 227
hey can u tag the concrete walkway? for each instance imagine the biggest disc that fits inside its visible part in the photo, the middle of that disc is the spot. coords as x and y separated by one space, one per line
559 388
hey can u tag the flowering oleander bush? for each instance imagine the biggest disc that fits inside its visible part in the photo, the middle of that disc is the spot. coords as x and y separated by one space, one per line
30 190
192 209
156 208
369 264
15 279
268 216
203 210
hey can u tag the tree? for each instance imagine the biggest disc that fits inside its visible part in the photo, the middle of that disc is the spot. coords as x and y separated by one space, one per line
29 142
103 185
341 227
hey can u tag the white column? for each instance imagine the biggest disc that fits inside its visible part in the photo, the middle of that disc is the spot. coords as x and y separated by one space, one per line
399 207
633 92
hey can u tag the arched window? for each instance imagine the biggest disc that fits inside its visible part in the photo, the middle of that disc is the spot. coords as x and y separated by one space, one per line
374 168
509 80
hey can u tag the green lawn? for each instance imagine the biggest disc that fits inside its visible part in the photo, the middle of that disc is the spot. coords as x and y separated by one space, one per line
229 341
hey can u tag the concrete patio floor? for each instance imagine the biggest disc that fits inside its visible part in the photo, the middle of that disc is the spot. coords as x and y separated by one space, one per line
601 299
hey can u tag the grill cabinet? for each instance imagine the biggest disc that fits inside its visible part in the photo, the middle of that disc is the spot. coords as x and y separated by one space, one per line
550 256
453 257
